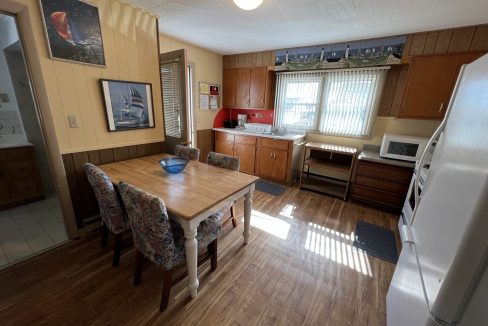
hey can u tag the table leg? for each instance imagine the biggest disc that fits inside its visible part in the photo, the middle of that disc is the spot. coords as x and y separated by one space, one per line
191 248
247 213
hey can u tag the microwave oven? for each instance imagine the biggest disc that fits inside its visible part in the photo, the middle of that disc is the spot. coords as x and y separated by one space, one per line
402 147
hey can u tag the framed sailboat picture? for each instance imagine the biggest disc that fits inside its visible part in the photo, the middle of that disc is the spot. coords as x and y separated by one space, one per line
128 105
73 31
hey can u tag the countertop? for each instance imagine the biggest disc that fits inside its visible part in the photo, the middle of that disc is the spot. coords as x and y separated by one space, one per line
250 133
14 145
373 156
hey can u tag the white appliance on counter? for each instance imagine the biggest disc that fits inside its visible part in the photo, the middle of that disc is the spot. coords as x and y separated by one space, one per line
441 277
402 147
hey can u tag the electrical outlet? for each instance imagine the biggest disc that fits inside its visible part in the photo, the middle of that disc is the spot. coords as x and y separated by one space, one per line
73 121
4 98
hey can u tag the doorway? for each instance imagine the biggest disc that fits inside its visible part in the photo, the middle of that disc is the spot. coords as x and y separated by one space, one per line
31 220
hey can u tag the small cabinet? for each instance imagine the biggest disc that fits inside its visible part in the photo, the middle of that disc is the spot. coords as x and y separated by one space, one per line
381 184
429 85
243 147
20 181
272 159
248 88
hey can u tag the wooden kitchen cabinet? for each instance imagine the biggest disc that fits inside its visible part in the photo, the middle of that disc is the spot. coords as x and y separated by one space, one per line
243 84
20 181
229 88
381 184
430 82
248 88
273 159
243 147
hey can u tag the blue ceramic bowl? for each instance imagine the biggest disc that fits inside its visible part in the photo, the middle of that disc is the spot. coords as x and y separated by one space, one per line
173 164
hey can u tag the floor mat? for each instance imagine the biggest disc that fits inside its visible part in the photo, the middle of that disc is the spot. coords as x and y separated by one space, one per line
376 241
269 188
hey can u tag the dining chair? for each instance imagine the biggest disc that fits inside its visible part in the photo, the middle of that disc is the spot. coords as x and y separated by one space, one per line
230 163
193 154
114 219
160 239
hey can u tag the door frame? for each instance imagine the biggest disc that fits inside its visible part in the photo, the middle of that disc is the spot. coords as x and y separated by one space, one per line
180 57
25 28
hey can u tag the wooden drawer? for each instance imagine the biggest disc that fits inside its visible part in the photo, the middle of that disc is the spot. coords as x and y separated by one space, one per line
247 140
20 170
4 195
398 188
274 143
377 197
26 188
224 136
385 172
16 154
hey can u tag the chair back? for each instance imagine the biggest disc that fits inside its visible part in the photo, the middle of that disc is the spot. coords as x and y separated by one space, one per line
151 228
223 161
193 154
111 209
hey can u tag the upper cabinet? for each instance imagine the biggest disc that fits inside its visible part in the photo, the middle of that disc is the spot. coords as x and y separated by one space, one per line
248 88
429 85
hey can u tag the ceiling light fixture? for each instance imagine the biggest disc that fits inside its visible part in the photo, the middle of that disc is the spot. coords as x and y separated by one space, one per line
248 4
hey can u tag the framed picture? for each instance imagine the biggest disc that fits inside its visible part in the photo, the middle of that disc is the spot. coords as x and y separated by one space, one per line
128 105
73 31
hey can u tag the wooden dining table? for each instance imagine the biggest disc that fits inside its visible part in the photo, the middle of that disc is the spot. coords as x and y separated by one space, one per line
190 197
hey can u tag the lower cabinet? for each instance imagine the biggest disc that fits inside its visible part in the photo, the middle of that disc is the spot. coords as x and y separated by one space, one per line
272 163
268 158
380 184
20 181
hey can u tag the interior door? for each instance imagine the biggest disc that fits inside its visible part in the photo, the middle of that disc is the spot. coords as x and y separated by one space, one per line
174 92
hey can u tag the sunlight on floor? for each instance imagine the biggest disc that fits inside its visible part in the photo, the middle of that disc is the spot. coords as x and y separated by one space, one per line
270 224
287 211
337 247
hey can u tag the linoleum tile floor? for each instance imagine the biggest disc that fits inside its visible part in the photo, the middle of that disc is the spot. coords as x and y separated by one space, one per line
30 229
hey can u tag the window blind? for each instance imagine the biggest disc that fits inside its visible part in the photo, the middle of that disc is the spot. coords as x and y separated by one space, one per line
170 79
336 102
350 102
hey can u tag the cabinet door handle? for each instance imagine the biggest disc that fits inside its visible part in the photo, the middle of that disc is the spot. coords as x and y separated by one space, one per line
441 107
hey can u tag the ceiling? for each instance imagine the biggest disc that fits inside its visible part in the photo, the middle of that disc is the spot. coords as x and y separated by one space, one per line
220 26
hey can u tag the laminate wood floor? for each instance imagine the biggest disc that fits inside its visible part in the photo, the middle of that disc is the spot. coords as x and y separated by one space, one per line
299 268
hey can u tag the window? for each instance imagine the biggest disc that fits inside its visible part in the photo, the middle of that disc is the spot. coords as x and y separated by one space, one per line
170 77
336 102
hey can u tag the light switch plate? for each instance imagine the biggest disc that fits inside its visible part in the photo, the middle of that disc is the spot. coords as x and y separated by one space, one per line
73 121
4 98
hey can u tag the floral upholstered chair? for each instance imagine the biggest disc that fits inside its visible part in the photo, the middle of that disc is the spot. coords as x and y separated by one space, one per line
112 213
193 154
229 163
160 239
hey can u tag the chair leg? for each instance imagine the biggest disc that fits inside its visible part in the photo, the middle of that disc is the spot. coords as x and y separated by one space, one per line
138 271
167 279
105 232
233 215
117 250
212 250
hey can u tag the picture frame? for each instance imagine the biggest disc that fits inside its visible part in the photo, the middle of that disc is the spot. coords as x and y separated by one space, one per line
73 31
128 105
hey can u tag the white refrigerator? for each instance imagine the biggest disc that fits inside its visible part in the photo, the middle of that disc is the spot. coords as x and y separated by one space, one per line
441 277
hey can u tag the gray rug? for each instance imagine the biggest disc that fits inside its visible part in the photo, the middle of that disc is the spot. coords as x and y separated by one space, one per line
270 188
376 241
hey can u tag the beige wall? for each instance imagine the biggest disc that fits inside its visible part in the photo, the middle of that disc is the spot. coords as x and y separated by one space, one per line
208 68
421 128
130 43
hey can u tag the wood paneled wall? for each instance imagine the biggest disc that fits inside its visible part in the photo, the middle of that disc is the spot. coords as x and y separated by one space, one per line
130 40
82 197
466 39
249 60
205 143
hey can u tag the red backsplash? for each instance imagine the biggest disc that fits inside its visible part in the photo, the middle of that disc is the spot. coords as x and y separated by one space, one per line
224 115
